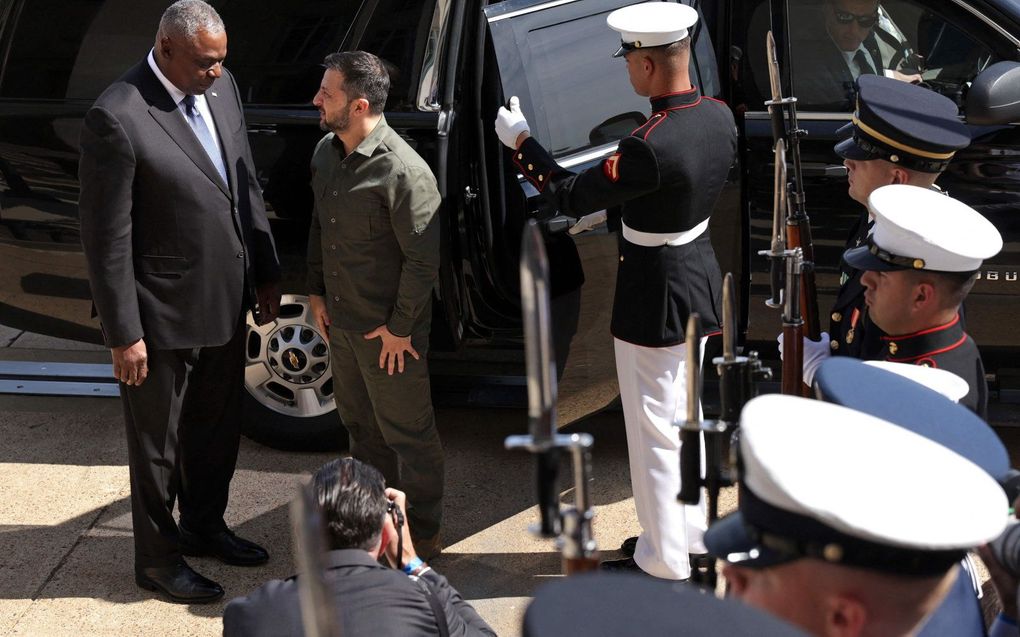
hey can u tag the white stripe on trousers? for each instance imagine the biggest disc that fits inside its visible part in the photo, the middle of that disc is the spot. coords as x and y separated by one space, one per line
653 393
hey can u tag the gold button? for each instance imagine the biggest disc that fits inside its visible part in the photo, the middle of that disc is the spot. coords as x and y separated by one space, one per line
541 178
893 348
531 166
918 264
925 364
621 259
836 316
849 337
833 345
833 553
520 155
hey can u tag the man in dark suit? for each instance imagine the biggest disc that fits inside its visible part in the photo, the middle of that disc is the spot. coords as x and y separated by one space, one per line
178 248
370 598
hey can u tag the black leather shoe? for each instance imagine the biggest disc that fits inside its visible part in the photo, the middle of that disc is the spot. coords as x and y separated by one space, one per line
179 583
224 546
629 546
626 565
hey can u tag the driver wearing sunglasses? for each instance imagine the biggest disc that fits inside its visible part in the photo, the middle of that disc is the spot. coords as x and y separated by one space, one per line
849 23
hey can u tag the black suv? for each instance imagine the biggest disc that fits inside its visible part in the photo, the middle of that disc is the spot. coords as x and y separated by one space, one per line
453 63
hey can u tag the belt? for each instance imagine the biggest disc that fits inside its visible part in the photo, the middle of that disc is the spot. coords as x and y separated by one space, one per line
655 239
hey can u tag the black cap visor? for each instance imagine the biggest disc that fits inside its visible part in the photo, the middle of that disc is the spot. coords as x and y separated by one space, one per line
848 149
728 539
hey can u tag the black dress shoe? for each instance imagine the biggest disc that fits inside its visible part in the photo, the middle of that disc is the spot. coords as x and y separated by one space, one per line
626 565
629 546
703 571
179 583
224 546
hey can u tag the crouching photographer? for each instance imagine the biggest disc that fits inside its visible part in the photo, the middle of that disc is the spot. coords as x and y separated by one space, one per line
365 523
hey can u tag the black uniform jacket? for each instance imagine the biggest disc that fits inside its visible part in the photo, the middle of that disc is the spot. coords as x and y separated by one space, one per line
371 599
665 177
850 329
945 347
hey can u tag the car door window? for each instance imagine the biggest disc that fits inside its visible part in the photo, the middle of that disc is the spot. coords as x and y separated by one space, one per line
834 41
557 57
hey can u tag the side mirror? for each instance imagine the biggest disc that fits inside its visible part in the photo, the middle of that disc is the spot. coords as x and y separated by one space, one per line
994 97
616 127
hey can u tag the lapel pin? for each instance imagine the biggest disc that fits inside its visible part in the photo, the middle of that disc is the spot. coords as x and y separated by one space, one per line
214 93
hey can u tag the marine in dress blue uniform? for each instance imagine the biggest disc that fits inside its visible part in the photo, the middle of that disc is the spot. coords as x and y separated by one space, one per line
897 126
661 185
917 268
825 544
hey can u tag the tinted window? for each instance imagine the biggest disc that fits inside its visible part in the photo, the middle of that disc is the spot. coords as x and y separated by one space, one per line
276 48
396 31
45 46
834 41
76 49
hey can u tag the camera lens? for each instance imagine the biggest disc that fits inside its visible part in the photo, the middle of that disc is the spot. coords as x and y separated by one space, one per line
1006 549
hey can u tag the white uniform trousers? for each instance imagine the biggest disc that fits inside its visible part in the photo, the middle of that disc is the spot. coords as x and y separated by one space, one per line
653 393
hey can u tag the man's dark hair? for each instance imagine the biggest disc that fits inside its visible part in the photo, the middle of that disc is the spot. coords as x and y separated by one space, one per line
674 55
352 495
953 286
365 76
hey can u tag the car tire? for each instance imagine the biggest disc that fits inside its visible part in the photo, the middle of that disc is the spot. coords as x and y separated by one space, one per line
287 433
288 400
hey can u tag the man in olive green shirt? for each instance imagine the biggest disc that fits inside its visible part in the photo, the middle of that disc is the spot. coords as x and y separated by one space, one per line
373 257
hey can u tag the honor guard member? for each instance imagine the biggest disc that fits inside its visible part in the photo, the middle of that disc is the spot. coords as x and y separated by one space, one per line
900 133
664 178
838 549
917 270
891 391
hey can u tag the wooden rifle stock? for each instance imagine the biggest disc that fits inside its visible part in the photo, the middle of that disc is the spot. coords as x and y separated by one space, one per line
586 564
798 235
793 358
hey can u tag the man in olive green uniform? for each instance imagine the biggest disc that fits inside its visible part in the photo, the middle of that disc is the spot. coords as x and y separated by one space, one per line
373 257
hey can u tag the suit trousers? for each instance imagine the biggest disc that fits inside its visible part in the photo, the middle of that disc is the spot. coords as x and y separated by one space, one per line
653 394
183 433
391 422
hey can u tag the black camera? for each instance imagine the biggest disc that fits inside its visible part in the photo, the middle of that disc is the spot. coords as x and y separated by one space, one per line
1006 549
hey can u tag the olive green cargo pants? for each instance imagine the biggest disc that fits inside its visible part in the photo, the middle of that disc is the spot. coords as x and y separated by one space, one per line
391 422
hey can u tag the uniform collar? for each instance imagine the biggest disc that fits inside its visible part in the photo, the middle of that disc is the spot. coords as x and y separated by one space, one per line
909 348
679 99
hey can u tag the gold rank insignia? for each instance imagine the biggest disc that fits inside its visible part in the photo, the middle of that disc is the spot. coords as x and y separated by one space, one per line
611 167
893 348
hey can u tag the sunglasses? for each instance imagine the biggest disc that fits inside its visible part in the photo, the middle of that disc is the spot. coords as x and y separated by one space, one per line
863 21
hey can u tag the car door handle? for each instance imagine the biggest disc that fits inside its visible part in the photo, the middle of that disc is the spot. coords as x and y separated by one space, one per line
262 129
818 169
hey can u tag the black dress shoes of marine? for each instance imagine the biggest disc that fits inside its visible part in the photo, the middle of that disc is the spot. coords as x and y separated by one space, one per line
224 546
626 565
179 583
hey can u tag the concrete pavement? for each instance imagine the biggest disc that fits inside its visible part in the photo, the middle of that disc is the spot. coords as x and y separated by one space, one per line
65 527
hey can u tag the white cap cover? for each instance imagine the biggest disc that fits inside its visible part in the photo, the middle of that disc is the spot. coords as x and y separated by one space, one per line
865 477
942 381
936 232
651 24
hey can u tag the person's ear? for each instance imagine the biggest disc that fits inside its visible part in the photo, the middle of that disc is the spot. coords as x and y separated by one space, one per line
647 64
925 295
736 579
845 616
899 176
361 106
166 47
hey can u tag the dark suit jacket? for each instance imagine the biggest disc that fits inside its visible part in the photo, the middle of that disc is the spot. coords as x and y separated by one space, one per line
173 252
372 600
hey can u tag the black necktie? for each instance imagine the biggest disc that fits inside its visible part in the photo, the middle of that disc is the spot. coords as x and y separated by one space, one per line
861 60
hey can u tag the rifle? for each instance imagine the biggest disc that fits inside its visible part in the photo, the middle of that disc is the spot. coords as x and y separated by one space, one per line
737 375
573 527
793 327
798 226
318 608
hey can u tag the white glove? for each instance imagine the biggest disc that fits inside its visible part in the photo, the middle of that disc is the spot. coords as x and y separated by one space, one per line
815 353
588 222
510 123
